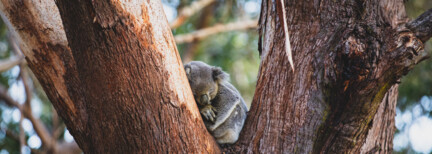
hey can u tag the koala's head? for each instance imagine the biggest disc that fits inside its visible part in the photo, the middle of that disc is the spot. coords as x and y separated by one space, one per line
204 80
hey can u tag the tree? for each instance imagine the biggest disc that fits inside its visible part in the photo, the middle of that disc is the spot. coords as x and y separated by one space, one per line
351 55
114 75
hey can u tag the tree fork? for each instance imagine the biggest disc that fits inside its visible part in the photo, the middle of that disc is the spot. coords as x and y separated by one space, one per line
116 78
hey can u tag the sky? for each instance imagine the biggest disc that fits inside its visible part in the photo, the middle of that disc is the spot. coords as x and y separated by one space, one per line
419 127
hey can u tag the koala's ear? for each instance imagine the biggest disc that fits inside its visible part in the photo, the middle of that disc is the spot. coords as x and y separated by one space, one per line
187 69
219 75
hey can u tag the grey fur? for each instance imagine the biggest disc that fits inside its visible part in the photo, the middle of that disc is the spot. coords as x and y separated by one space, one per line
225 110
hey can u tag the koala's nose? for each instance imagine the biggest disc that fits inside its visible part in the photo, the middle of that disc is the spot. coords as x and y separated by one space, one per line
205 99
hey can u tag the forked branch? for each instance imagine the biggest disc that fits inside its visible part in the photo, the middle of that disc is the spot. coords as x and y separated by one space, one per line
422 26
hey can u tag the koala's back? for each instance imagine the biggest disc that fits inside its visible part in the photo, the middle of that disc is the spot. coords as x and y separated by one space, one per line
232 112
229 131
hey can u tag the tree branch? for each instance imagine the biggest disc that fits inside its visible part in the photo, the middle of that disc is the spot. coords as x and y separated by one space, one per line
55 122
11 62
21 132
27 87
62 147
40 129
10 134
219 28
189 11
58 131
15 137
422 26
6 99
37 124
204 21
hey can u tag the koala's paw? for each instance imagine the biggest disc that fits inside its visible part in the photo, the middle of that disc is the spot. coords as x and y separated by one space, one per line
209 113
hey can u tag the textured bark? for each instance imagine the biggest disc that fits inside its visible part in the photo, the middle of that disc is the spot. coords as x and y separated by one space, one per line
120 86
347 55
380 136
37 25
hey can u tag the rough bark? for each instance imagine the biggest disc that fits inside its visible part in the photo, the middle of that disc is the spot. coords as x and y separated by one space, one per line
347 55
115 76
380 136
37 25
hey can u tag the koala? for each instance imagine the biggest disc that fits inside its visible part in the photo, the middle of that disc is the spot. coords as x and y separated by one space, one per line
221 105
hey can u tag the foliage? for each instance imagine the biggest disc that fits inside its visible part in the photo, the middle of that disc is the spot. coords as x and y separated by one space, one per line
413 100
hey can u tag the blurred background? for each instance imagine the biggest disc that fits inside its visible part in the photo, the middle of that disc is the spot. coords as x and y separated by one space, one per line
218 32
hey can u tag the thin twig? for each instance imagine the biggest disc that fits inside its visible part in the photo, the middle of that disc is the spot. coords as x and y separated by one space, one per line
10 134
27 86
55 121
26 108
204 21
21 133
60 129
186 12
219 28
15 137
9 101
11 62
15 47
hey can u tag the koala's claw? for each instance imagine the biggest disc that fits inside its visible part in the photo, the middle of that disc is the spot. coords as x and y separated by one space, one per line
214 110
209 113
213 114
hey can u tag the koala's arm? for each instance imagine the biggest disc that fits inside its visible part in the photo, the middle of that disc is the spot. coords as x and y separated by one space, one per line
208 112
227 100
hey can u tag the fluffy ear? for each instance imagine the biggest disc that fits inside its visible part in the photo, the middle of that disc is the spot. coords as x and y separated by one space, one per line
219 75
187 69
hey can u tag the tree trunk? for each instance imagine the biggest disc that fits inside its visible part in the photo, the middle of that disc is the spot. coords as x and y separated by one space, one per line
347 55
380 136
114 75
117 80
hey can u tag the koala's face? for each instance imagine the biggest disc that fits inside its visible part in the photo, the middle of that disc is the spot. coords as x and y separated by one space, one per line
204 80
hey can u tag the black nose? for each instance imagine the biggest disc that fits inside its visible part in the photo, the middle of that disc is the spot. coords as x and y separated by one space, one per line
205 99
